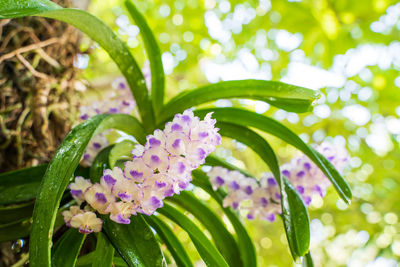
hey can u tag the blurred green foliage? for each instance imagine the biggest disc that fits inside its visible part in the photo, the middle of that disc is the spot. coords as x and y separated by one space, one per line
347 49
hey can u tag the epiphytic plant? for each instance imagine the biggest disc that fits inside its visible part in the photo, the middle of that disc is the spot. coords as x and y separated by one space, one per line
128 197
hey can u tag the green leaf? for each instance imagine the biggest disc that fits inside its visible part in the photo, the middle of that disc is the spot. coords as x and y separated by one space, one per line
21 228
251 119
22 185
254 141
100 163
12 231
16 212
154 54
276 93
86 261
104 253
135 242
66 250
340 184
99 32
206 249
58 175
296 220
224 241
173 244
120 151
246 246
307 260
294 212
21 8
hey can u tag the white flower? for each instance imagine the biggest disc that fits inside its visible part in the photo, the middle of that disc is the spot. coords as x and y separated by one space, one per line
94 147
78 188
121 211
218 177
87 222
68 214
99 198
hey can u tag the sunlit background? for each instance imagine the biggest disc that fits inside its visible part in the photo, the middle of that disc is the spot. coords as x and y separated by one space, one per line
348 50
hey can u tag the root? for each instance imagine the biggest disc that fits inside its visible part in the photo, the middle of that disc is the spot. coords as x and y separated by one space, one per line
37 94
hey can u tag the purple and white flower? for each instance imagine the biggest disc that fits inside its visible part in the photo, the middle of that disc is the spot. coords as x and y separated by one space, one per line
159 169
118 100
86 222
305 175
264 196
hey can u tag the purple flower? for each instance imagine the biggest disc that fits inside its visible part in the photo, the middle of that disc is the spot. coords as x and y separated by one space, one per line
300 174
271 182
248 190
122 220
300 189
101 198
155 159
109 180
76 193
219 180
154 142
235 185
136 174
176 127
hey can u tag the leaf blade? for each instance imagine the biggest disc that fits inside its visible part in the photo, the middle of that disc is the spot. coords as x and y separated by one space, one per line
246 246
17 212
206 249
173 244
24 8
135 242
66 250
307 260
224 241
154 54
14 230
299 97
104 253
120 151
22 185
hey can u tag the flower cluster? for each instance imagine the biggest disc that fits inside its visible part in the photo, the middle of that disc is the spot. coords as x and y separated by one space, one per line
263 197
307 178
94 147
120 100
159 169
